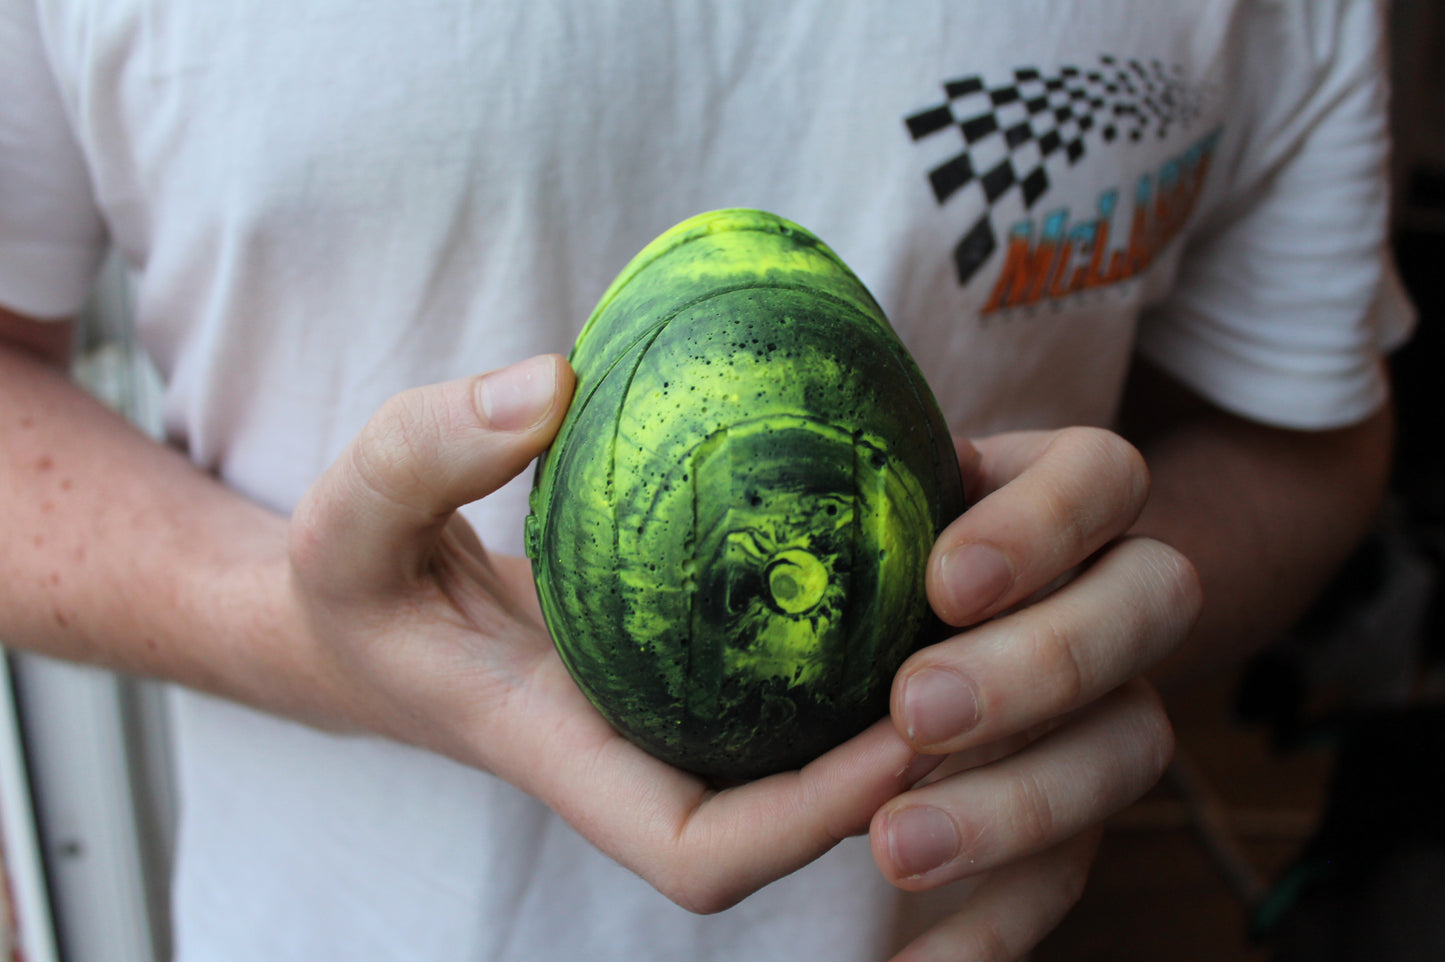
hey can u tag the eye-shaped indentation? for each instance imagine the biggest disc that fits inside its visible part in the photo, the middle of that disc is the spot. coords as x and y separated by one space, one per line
797 581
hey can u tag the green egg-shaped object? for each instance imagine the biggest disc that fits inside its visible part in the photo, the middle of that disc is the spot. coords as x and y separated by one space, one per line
730 532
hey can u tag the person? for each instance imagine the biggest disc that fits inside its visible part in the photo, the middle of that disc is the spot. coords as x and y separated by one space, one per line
1138 251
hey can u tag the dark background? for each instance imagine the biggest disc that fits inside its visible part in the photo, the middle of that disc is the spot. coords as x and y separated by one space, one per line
1304 818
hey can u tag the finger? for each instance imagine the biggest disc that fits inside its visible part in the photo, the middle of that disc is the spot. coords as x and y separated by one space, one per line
1051 500
1124 614
1072 778
801 814
427 452
1012 910
705 849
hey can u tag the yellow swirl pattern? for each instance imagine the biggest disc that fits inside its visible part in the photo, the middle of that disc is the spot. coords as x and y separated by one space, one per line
730 532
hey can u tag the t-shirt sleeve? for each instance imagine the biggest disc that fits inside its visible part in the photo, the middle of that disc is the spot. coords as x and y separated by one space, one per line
51 235
1286 300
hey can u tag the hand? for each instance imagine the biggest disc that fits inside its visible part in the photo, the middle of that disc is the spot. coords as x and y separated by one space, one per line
421 635
1040 704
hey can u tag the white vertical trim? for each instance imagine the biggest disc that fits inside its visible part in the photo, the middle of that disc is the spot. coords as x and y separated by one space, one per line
81 780
34 934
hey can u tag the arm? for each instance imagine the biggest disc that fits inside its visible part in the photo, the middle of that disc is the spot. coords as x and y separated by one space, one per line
1267 515
100 524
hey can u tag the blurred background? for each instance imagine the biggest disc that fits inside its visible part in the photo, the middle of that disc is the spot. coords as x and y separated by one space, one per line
1302 819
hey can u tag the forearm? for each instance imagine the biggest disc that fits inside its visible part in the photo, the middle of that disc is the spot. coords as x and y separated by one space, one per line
1266 516
118 552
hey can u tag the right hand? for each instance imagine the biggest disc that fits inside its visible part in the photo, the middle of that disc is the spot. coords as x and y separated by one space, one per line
416 632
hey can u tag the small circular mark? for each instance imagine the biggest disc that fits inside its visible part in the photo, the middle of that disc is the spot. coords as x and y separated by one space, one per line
797 581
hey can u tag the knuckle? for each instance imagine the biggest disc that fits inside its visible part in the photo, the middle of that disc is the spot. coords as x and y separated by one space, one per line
1164 747
399 441
1031 812
696 870
1149 737
987 943
1124 469
1102 449
400 426
1178 578
1157 730
694 875
1102 485
1069 517
1188 585
1164 597
306 536
1130 470
700 897
1060 669
1110 451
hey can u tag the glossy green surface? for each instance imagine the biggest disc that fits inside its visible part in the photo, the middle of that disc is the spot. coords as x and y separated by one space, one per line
730 532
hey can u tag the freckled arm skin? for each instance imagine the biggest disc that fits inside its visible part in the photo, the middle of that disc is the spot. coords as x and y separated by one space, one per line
199 598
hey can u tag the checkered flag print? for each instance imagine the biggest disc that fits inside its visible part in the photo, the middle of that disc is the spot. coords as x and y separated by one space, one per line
1012 132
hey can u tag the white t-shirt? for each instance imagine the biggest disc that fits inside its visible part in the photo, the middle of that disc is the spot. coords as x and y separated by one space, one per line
325 203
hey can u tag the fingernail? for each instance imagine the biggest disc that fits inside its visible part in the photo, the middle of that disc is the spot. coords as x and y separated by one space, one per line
517 397
973 577
938 704
920 840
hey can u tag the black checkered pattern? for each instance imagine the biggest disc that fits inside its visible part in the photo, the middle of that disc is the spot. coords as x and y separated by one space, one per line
1012 132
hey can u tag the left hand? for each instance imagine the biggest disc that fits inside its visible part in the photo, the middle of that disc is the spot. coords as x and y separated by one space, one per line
1040 704
401 623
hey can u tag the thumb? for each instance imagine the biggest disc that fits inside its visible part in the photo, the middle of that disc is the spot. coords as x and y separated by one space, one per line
370 522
